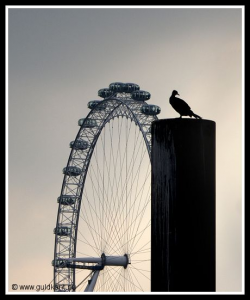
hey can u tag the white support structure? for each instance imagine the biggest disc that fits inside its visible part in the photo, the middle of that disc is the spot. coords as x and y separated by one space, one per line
101 262
121 261
92 282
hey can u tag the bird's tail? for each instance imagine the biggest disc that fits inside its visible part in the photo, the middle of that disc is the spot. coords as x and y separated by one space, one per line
194 115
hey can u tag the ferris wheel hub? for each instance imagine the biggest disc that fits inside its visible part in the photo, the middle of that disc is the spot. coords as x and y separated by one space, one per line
120 261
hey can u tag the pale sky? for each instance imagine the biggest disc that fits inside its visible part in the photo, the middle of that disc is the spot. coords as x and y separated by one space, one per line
57 61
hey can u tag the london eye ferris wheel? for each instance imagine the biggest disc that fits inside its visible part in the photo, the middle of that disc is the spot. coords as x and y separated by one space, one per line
103 226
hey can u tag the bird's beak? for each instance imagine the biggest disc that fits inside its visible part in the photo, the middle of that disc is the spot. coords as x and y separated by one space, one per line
178 94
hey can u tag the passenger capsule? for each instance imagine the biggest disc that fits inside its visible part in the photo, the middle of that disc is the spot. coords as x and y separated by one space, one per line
72 171
79 144
104 93
150 110
87 123
62 230
58 263
116 87
130 87
66 200
141 95
97 104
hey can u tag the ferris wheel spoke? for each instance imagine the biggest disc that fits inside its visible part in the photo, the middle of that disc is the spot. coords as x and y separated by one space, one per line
96 213
141 261
107 200
139 234
142 272
94 234
133 281
140 214
87 242
103 191
136 180
141 249
88 207
113 279
112 215
135 219
121 209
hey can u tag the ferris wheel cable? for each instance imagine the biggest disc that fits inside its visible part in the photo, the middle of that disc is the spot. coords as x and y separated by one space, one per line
116 279
132 161
147 174
87 210
97 233
97 174
92 208
144 251
140 271
86 214
142 209
120 165
119 204
87 243
140 250
95 248
132 280
137 237
134 219
134 155
105 160
87 222
117 275
137 178
104 280
140 261
119 281
128 177
98 188
139 234
123 234
92 230
92 182
138 214
110 184
117 158
108 274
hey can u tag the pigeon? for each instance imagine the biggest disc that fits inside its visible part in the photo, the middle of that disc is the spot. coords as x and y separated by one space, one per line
181 106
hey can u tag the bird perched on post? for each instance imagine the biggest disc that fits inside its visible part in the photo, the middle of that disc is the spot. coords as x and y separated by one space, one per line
181 106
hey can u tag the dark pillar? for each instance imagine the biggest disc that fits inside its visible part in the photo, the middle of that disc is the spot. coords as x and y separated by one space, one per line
183 205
